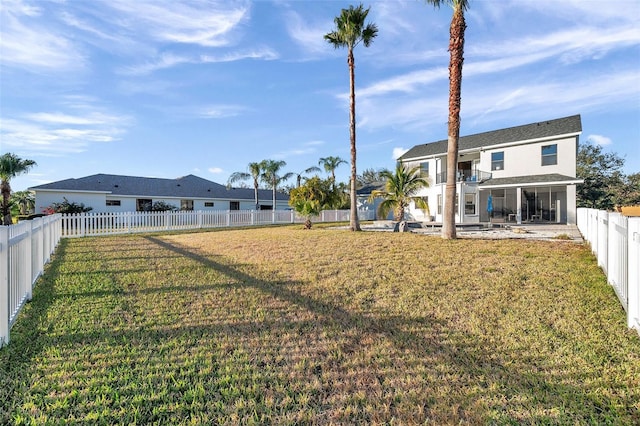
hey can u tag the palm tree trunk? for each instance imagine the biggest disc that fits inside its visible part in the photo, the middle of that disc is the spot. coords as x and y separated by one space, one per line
354 224
6 210
456 49
275 184
255 194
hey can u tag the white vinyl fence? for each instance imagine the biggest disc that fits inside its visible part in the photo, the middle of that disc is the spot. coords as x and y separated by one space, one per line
95 224
24 250
615 240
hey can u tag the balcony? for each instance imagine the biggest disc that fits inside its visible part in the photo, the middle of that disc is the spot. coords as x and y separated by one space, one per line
465 175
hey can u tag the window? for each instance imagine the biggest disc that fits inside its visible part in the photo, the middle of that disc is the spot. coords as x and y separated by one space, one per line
549 155
208 203
143 205
234 205
424 169
113 202
470 204
186 204
497 160
440 203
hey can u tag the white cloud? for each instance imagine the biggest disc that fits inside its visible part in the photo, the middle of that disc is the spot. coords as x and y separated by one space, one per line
30 44
220 111
215 170
207 24
264 53
308 35
168 60
599 140
58 133
398 152
305 148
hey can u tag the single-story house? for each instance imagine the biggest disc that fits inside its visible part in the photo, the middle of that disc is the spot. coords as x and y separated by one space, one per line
115 193
520 174
364 203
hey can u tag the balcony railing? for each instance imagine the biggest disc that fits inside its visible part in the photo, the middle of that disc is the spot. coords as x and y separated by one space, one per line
465 175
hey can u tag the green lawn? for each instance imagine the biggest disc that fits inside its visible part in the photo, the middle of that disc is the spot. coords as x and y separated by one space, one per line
286 326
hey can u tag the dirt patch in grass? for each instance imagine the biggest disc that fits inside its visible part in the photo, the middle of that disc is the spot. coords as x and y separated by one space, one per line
286 326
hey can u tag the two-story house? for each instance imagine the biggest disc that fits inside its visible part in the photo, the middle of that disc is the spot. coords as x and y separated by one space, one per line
524 173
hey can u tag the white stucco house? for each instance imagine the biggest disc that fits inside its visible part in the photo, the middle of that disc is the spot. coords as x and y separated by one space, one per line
528 172
115 193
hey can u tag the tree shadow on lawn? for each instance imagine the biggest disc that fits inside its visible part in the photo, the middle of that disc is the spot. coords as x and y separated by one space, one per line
489 384
353 366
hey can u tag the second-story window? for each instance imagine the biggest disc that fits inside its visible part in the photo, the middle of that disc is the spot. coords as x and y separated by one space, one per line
424 169
550 155
497 160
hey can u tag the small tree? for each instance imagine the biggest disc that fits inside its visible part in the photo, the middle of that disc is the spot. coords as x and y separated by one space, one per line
400 189
602 175
312 197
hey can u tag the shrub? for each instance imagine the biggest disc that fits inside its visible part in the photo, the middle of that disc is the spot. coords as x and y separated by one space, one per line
66 207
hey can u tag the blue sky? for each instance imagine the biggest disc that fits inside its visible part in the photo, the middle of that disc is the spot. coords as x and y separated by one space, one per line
169 88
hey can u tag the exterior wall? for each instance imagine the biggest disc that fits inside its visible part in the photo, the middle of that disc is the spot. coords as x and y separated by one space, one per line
526 160
98 202
45 199
572 217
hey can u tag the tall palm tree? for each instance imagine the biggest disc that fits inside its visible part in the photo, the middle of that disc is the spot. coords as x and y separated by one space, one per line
10 166
270 176
350 31
400 189
304 172
255 172
456 51
330 164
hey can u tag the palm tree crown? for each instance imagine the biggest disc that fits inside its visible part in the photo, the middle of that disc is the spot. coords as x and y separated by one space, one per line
270 176
305 171
350 31
10 166
330 164
400 189
255 172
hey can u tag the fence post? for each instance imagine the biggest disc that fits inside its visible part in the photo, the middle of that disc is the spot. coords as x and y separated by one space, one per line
4 285
633 275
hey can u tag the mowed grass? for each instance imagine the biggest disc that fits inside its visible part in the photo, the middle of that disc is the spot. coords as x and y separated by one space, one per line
286 326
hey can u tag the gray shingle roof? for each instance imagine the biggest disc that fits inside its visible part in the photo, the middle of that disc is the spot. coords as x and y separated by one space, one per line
541 130
530 180
189 186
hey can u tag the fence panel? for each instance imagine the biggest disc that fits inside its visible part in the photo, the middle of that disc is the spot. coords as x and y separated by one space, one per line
633 276
25 248
615 241
98 224
617 256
